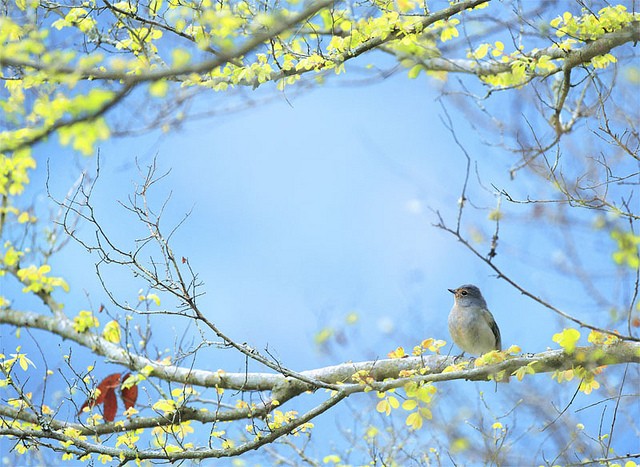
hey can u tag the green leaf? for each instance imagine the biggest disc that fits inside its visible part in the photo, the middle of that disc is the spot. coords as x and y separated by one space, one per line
414 71
409 404
111 332
567 339
154 7
414 421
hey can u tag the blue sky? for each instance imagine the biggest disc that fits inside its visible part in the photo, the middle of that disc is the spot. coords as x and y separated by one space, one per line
305 211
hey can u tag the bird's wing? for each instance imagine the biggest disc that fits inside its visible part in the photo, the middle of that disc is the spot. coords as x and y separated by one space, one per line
494 328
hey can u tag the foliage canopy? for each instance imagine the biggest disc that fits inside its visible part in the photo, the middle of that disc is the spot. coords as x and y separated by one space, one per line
83 73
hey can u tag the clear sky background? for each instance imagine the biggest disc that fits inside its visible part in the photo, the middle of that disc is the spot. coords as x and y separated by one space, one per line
314 206
304 211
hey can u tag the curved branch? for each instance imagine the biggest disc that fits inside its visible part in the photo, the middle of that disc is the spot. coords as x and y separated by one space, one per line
40 434
572 58
198 67
258 39
117 354
43 133
385 375
283 387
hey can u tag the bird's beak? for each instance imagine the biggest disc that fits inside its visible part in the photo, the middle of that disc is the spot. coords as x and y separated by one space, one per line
451 290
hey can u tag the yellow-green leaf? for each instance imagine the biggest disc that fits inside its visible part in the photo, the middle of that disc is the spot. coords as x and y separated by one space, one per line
155 6
165 405
414 71
481 51
567 339
414 421
111 332
84 321
383 407
409 404
159 88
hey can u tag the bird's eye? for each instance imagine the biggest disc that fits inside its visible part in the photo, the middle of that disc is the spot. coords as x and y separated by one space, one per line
464 292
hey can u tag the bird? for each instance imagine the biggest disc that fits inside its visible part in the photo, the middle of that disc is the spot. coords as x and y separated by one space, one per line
471 324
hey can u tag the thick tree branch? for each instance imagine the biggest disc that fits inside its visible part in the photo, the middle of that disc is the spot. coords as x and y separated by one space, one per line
381 375
384 374
379 370
37 434
117 354
255 41
21 142
196 67
572 58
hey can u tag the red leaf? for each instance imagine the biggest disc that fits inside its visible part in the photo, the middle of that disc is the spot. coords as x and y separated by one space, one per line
110 405
129 395
106 386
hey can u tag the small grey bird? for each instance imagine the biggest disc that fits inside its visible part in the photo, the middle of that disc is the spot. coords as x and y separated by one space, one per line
471 324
